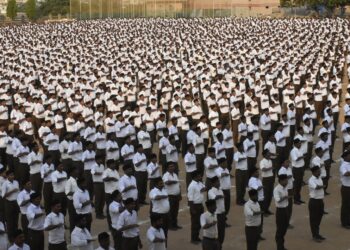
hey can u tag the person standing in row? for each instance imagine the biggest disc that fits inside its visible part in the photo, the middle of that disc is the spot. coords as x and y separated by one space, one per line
36 219
208 222
280 194
316 204
252 212
345 190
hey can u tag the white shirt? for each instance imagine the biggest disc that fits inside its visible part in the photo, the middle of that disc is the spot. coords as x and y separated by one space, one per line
140 162
280 139
344 168
317 161
47 170
190 162
23 196
152 234
279 193
97 172
255 183
241 160
294 155
15 247
127 152
114 212
210 165
207 218
88 158
249 148
35 223
58 187
34 161
126 218
172 189
251 219
224 176
313 183
56 236
217 195
161 206
195 193
144 139
266 164
79 239
79 197
112 150
3 238
7 187
110 186
153 170
126 181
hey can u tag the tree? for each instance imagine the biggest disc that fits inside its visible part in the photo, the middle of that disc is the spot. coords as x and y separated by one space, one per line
11 10
53 7
30 9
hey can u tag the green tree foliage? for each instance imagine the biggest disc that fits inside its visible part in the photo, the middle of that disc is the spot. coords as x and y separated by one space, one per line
30 9
54 7
11 10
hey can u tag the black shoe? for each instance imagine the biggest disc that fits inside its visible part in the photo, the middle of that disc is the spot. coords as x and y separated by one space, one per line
316 239
346 226
321 237
302 202
100 217
290 226
144 203
196 241
227 225
297 202
177 227
326 193
240 203
325 212
268 212
261 238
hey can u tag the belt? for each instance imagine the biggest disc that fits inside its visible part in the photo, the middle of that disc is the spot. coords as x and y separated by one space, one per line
206 238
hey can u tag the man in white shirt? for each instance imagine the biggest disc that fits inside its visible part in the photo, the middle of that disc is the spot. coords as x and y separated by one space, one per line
19 239
97 170
160 203
9 192
115 208
280 194
172 186
141 175
316 205
240 159
216 194
104 241
81 237
268 180
82 202
36 219
59 179
35 160
144 138
155 234
23 200
208 222
128 225
297 159
252 213
195 196
345 190
54 225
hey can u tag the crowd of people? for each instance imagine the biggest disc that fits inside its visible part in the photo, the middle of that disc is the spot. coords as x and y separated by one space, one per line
97 117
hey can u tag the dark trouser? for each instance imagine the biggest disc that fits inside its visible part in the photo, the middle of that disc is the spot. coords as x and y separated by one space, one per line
3 156
56 156
290 204
36 182
130 243
72 214
120 141
47 193
229 157
188 179
162 161
174 201
281 156
210 244
36 239
99 191
345 206
235 130
23 172
79 165
327 166
24 225
316 210
257 148
196 210
227 200
88 220
11 216
261 204
298 175
63 200
61 246
200 162
67 165
282 226
252 237
265 136
141 182
183 134
108 200
268 183
308 155
221 227
241 184
89 183
148 153
117 238
152 183
208 183
10 162
335 118
2 209
251 165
